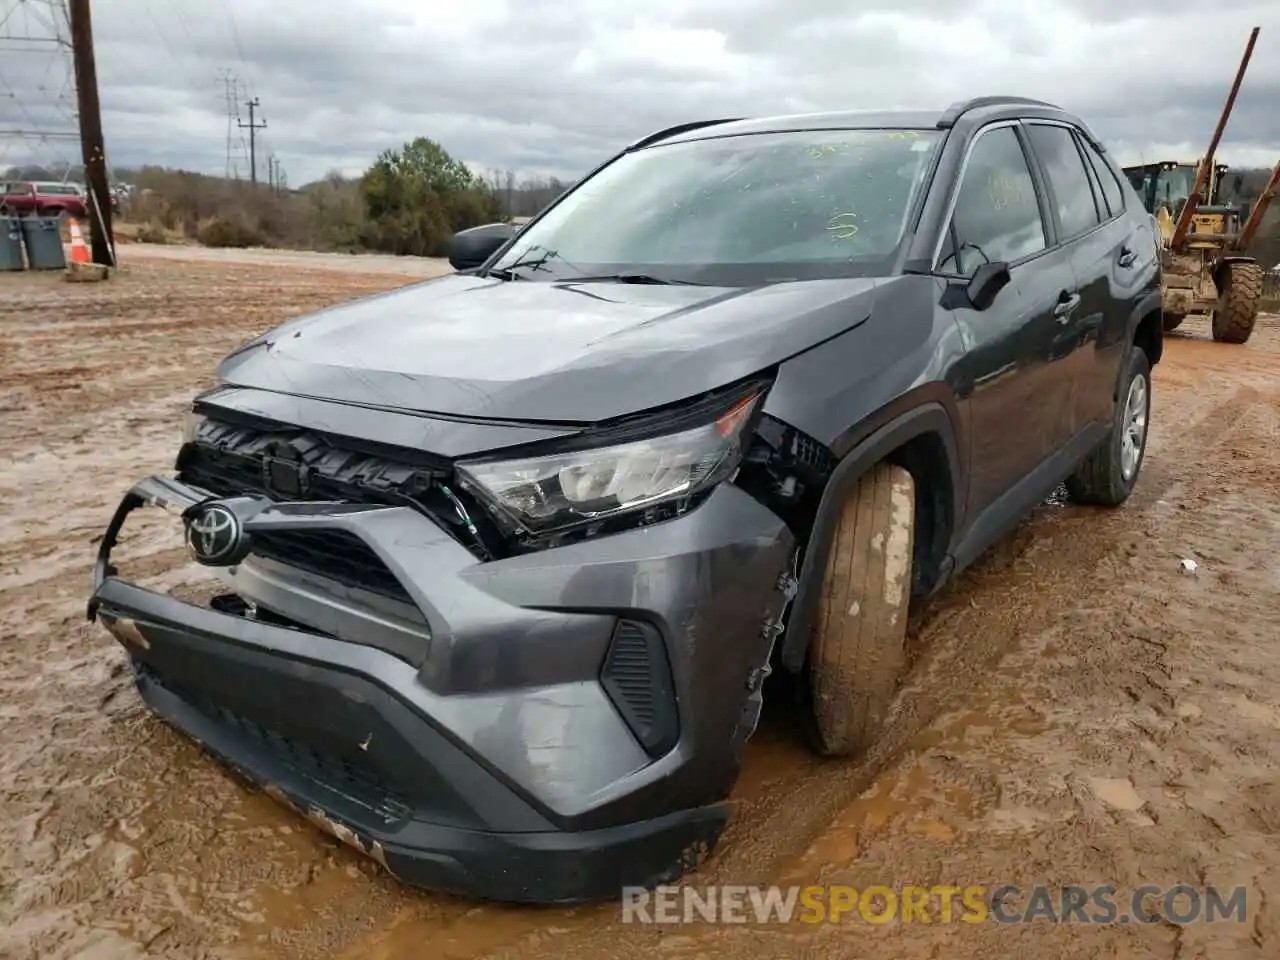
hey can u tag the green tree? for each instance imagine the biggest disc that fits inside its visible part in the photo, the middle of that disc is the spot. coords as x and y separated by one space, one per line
418 196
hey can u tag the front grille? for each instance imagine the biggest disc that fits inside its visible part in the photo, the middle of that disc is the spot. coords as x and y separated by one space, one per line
335 554
232 459
228 459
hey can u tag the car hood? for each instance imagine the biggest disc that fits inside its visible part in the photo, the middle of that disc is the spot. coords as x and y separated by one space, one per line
479 347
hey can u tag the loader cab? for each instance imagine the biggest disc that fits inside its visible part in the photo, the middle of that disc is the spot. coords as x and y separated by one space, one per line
1165 184
1169 184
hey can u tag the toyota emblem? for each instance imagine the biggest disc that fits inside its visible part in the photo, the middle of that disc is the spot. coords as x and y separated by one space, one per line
215 536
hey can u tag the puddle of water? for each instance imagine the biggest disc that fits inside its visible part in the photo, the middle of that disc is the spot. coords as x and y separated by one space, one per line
841 843
1020 720
1119 793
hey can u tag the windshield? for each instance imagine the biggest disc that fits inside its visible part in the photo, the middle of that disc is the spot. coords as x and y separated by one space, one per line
745 209
1173 188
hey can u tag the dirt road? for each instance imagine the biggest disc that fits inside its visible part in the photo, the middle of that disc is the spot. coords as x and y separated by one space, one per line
422 267
1081 711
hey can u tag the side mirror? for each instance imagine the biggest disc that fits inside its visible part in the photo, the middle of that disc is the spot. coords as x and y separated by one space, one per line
986 283
469 249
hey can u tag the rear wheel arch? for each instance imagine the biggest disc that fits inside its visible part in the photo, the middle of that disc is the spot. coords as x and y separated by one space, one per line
923 441
1149 335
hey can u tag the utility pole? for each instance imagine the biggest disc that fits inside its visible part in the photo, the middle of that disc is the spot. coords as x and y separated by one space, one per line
271 171
253 128
92 149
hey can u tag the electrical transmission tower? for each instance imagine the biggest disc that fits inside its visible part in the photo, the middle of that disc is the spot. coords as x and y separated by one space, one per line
39 122
231 90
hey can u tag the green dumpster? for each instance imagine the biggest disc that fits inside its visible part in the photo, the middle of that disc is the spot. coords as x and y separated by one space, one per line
44 243
11 244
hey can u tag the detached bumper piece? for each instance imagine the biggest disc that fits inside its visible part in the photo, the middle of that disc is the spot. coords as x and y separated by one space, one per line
302 718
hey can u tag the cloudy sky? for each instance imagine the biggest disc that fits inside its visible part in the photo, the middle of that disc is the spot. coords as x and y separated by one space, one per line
552 86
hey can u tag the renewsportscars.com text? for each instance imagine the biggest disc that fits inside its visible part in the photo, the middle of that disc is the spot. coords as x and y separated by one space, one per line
973 903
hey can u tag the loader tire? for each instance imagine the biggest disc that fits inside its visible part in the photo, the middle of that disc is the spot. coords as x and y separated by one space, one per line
1237 310
859 645
1172 321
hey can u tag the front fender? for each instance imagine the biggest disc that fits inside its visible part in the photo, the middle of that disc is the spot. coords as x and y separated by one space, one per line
929 418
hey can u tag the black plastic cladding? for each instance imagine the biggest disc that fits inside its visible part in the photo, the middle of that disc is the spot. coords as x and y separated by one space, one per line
678 129
960 108
637 677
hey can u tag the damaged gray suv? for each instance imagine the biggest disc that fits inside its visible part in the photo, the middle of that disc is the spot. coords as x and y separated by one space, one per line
509 554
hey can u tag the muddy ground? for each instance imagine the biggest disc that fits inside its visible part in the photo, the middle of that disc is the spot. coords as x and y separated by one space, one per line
1082 710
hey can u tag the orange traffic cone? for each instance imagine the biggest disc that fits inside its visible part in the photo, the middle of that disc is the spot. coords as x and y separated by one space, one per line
79 250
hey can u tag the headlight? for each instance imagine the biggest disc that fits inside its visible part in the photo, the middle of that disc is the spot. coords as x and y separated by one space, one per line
560 490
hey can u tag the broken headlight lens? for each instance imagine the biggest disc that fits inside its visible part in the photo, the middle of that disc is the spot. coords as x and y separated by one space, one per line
539 494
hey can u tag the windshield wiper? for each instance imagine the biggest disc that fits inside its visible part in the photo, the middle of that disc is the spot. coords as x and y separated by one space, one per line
631 278
538 262
511 272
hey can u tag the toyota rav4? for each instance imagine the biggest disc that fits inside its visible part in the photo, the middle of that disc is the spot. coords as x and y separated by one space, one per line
508 554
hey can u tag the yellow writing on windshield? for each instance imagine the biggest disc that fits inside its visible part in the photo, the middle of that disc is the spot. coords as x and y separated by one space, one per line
847 147
843 226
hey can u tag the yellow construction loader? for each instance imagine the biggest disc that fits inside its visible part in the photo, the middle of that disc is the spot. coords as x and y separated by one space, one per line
1204 241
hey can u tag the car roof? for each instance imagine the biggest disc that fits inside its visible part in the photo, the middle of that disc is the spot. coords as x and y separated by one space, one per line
963 114
831 120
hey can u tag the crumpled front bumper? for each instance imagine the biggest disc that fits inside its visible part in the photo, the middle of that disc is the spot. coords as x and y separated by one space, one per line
483 749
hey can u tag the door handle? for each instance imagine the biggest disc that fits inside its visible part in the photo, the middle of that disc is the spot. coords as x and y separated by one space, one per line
1066 306
1127 257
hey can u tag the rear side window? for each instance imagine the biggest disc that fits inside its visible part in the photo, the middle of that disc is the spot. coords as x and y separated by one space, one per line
1102 170
997 214
1068 181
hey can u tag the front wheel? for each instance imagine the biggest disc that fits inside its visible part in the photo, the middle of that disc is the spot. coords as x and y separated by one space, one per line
858 650
1107 476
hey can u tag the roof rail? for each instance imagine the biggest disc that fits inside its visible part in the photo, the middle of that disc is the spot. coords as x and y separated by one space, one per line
957 110
678 129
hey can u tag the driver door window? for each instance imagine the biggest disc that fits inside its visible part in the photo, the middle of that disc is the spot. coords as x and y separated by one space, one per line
997 214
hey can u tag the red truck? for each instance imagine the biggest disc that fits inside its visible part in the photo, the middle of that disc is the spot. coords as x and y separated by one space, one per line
44 198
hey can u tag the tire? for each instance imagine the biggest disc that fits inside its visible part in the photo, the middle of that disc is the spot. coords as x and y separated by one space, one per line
1238 297
1171 321
858 649
1107 476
